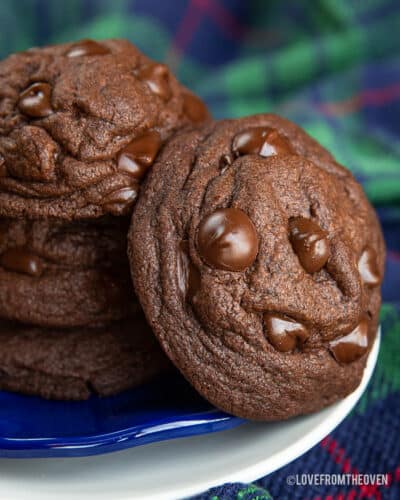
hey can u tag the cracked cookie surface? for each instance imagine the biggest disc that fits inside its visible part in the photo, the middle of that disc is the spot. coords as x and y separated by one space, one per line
80 124
257 259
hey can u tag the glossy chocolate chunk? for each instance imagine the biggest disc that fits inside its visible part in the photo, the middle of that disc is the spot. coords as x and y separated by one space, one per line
21 260
35 101
139 154
194 108
310 243
188 275
227 239
156 76
225 161
352 346
87 48
120 201
3 167
263 141
284 333
368 267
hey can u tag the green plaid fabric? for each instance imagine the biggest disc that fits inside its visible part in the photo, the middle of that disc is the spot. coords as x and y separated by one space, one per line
332 66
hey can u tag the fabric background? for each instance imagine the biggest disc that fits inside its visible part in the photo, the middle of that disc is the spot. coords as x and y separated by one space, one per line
332 66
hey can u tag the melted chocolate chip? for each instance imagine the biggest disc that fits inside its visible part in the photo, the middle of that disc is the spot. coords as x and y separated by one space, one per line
225 161
139 154
156 76
352 346
310 243
3 167
263 141
21 260
87 48
120 201
188 275
368 267
227 239
35 101
194 108
284 333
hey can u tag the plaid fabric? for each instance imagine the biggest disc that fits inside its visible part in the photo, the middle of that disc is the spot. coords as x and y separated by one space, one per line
333 66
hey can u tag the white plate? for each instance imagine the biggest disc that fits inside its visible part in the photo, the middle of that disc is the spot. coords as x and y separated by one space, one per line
179 468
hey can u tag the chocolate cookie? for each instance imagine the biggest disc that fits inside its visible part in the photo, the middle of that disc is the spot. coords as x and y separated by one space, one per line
64 274
257 259
80 124
75 363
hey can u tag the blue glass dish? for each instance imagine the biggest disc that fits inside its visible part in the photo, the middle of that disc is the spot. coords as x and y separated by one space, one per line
168 408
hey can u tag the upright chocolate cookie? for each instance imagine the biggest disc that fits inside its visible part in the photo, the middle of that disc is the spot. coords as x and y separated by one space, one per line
75 363
80 124
257 260
64 274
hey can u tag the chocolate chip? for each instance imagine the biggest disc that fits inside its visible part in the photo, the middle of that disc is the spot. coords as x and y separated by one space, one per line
21 260
368 267
120 201
87 48
263 141
188 275
352 346
284 333
139 154
194 108
35 101
225 161
227 239
3 167
310 243
156 76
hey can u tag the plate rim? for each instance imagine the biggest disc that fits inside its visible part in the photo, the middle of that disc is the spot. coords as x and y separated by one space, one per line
191 424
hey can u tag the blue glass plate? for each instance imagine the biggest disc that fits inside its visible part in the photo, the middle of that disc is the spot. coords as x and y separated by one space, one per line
166 409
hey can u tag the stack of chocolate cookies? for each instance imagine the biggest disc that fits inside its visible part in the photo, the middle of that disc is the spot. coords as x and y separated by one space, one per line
255 256
79 126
